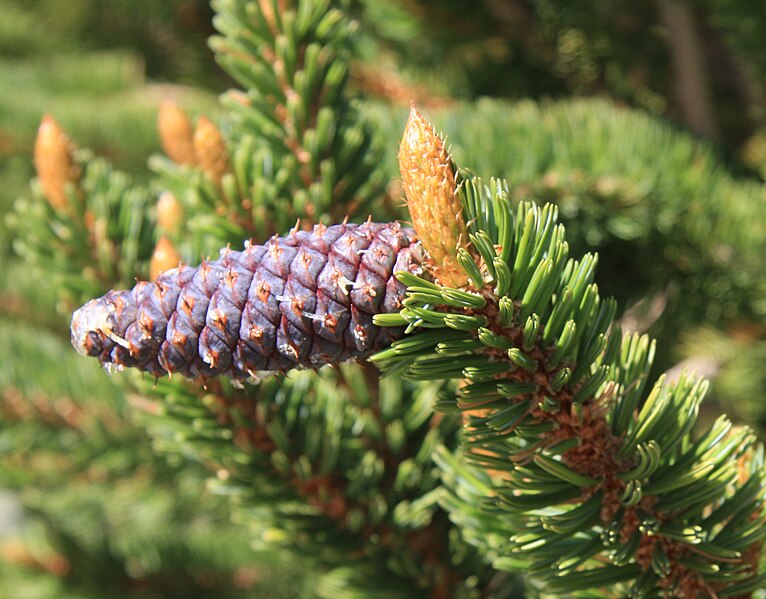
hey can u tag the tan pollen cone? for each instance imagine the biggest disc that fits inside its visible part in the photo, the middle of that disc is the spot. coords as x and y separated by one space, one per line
54 163
176 133
164 258
170 213
430 188
210 150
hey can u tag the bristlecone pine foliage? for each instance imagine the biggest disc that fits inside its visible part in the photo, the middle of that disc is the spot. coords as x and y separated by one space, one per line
93 229
597 488
336 466
297 146
339 467
569 471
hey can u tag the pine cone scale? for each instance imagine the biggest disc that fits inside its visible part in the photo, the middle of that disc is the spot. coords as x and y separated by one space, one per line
331 319
307 266
298 301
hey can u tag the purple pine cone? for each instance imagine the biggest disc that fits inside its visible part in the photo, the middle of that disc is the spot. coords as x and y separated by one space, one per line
299 301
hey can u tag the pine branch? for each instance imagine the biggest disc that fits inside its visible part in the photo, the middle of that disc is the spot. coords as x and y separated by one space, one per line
606 487
333 470
106 507
662 209
410 542
135 533
627 185
601 487
296 148
87 226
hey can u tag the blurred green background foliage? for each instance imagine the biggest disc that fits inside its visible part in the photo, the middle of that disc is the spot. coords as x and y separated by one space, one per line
534 91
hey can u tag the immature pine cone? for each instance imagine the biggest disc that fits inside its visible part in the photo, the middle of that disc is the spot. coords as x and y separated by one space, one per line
298 301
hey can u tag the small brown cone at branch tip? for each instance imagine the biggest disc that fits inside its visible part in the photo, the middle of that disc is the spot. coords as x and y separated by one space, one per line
54 163
164 258
176 133
210 150
430 187
170 214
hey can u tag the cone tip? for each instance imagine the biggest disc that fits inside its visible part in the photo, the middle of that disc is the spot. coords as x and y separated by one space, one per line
89 324
48 126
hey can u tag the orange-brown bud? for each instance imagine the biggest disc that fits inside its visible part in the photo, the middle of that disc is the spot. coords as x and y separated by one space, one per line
170 214
164 258
54 163
430 187
210 150
176 133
